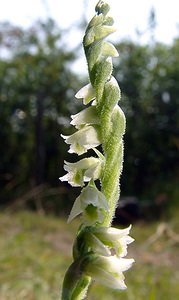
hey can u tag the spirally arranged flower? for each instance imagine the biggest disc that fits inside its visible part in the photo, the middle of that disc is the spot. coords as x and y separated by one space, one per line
114 239
109 270
92 204
82 171
85 138
99 249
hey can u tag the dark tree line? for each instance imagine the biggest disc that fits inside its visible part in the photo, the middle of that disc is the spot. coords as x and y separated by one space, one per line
148 77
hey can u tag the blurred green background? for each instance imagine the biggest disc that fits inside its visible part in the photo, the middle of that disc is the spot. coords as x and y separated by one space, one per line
37 88
38 82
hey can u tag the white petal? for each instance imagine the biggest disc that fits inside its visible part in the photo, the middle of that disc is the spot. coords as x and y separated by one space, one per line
117 239
91 206
118 265
97 246
87 93
91 195
86 116
82 140
64 136
116 233
64 178
84 163
76 210
108 270
111 281
77 171
77 148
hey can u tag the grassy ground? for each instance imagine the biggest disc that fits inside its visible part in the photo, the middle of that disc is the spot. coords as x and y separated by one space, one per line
36 250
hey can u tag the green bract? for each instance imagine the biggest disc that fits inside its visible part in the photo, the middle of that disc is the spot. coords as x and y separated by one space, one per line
98 249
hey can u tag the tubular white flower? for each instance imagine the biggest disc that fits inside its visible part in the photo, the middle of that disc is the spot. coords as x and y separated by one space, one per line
87 116
105 240
109 270
87 93
114 238
82 171
82 140
92 204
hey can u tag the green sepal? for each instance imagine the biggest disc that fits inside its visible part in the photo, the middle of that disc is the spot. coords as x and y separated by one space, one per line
89 37
98 50
101 72
75 283
119 122
96 20
87 116
97 33
94 53
111 96
103 31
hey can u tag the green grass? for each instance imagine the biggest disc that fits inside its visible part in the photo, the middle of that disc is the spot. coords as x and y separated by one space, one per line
35 251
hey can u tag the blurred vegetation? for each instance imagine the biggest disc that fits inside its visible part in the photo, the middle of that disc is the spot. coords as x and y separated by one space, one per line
37 88
36 251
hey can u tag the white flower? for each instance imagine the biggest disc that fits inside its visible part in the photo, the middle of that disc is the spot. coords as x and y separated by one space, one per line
113 238
108 270
82 140
92 204
87 93
105 240
87 116
83 170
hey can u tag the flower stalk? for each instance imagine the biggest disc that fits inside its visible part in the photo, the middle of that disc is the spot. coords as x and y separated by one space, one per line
99 249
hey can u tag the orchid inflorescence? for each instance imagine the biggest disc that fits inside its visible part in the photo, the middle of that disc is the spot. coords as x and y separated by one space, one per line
99 249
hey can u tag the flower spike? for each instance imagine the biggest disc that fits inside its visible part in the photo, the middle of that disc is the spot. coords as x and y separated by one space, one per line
99 249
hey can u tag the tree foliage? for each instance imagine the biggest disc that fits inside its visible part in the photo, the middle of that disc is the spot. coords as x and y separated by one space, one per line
147 76
36 91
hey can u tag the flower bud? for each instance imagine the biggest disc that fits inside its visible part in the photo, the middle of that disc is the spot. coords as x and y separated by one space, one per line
102 7
100 32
